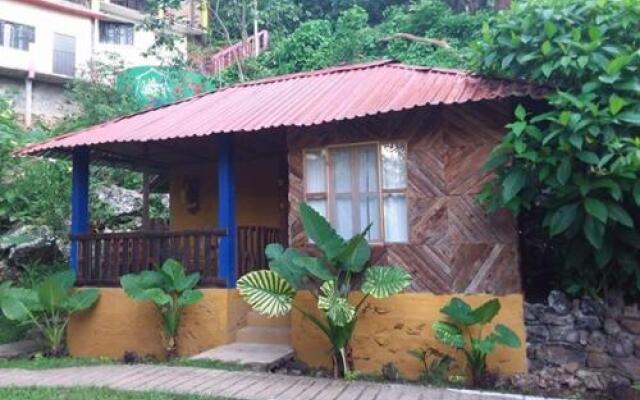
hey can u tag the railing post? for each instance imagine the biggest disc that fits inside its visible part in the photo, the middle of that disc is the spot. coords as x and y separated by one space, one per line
227 211
79 200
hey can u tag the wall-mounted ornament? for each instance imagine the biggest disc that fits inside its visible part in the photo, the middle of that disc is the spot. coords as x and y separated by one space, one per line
191 194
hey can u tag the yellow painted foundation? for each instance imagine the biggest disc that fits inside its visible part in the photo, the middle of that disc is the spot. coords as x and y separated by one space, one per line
118 324
388 329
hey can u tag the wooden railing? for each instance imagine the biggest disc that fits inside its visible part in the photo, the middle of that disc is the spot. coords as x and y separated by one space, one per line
240 51
104 257
252 241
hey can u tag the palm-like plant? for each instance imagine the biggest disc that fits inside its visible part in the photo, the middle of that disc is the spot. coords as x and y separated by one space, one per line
170 289
464 329
343 267
48 306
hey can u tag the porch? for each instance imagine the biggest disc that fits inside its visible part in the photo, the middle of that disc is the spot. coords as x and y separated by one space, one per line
104 257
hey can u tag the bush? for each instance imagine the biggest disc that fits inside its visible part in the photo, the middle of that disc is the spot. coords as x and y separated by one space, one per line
579 161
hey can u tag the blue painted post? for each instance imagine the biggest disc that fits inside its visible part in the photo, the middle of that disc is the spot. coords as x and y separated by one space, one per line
227 211
79 199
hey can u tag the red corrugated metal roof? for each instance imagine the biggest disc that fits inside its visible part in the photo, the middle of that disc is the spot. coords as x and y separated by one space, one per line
302 99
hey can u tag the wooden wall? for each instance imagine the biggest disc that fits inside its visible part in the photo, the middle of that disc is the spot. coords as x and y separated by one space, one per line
454 246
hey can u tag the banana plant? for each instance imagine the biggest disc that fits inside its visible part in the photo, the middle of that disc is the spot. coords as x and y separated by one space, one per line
171 290
464 332
343 267
48 306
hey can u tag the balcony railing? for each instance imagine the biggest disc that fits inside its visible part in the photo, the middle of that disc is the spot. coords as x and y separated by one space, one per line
104 257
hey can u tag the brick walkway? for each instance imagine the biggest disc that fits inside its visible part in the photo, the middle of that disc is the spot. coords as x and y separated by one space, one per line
232 384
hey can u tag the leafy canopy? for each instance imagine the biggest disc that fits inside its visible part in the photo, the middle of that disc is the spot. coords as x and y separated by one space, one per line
579 159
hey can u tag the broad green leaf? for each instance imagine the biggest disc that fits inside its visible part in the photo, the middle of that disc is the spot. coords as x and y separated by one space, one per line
189 297
506 336
174 270
14 309
631 117
448 334
266 292
596 208
287 269
618 63
459 311
321 232
51 294
484 346
356 253
562 219
546 47
520 112
563 173
64 279
512 184
273 251
486 312
315 267
636 193
158 296
594 231
81 300
588 157
616 103
381 282
188 282
619 214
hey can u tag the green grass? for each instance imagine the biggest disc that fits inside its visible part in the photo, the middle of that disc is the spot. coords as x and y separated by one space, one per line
10 331
77 393
63 362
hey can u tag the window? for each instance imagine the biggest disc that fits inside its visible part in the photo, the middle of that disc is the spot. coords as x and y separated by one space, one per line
116 33
140 5
64 54
354 186
15 35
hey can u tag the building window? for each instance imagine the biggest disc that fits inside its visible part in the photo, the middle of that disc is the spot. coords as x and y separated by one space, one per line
64 54
354 186
15 35
116 33
140 5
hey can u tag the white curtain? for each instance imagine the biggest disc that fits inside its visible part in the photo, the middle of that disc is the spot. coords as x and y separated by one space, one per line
314 174
395 218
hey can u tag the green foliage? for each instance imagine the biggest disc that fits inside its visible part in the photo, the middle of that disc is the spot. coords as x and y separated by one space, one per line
331 278
171 290
579 160
48 306
463 332
436 366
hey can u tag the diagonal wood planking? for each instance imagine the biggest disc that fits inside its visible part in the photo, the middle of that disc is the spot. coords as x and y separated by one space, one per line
454 246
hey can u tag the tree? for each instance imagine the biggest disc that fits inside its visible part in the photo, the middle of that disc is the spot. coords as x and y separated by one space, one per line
580 160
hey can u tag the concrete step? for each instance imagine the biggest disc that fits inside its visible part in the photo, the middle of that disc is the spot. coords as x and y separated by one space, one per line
261 357
264 335
256 319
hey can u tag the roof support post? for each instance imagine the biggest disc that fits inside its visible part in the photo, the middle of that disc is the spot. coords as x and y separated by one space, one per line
79 200
227 211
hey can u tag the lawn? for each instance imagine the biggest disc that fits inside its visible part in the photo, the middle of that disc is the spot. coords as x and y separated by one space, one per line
63 362
90 394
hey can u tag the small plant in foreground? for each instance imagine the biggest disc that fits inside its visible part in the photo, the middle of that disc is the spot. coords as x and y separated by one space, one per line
171 290
464 333
343 267
48 306
437 366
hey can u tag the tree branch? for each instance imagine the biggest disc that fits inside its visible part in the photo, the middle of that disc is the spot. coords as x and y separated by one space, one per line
413 38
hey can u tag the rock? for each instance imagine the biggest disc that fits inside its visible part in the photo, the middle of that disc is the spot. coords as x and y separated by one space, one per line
533 312
537 333
558 320
120 201
598 360
589 306
632 311
559 302
562 333
631 324
29 244
572 367
588 322
593 380
629 367
611 327
620 346
561 355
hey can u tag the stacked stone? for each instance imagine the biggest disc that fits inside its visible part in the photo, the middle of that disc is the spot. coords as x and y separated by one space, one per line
581 345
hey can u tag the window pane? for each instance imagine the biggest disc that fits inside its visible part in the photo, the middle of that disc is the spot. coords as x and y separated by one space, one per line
341 160
395 218
367 168
320 205
394 166
314 174
370 213
344 217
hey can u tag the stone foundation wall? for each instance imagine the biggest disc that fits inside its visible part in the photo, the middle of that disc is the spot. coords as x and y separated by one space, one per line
582 344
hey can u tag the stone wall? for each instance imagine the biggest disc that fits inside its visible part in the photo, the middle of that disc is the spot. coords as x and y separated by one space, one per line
581 345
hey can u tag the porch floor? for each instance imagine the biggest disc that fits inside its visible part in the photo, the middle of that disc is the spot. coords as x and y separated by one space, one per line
232 384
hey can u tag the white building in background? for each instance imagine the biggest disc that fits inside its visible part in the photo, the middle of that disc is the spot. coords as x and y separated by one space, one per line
44 44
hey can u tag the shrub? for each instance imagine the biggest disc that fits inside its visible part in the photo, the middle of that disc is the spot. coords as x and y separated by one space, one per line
579 161
48 306
463 332
171 290
343 267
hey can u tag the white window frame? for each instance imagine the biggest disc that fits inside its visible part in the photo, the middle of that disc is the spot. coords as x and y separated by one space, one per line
329 198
